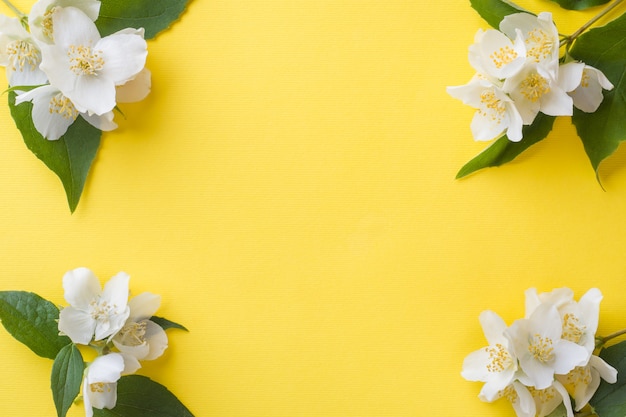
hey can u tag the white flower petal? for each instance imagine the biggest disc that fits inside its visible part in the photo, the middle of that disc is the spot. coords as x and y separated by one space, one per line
143 306
136 89
116 290
493 327
73 27
606 371
77 325
81 287
156 339
568 355
124 56
570 75
104 122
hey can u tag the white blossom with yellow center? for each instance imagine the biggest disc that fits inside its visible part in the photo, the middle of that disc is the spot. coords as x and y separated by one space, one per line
495 364
20 54
542 353
496 113
87 68
586 85
93 313
53 113
520 398
100 383
534 89
140 338
541 37
42 12
493 53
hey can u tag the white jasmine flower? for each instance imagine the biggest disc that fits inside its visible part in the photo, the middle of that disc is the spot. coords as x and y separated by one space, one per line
496 113
493 53
587 93
87 68
579 319
93 313
40 16
541 351
141 338
53 113
100 383
520 398
495 365
533 89
19 54
583 381
540 35
548 399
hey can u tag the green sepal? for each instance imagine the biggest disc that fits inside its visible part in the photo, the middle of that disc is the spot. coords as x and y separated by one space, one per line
605 49
493 11
610 399
579 4
70 157
503 150
152 15
66 378
33 321
167 324
139 396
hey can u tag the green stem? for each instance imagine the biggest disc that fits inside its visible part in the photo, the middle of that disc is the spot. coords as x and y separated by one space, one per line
14 9
601 341
569 39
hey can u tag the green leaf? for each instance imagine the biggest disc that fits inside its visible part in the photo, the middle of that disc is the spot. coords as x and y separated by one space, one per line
152 15
493 11
579 4
33 321
503 150
610 399
139 396
605 49
66 378
166 324
70 157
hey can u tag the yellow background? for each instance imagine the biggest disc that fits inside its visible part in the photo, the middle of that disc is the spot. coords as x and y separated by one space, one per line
288 188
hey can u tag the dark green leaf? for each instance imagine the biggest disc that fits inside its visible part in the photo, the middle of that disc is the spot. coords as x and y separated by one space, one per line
33 321
70 157
503 150
66 378
152 15
579 4
610 399
166 324
139 396
604 48
493 11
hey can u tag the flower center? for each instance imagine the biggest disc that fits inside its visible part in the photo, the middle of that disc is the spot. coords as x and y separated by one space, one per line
494 108
542 44
22 54
499 358
46 24
504 55
100 387
534 87
102 311
572 329
62 105
579 375
84 60
541 348
133 334
509 393
543 395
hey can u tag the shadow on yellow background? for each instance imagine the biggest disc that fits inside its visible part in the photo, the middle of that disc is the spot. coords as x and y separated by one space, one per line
288 188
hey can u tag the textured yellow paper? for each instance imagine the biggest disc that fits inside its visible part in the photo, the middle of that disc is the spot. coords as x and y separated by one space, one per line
289 189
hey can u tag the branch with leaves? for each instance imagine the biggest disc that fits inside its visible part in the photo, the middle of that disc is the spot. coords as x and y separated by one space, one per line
539 75
122 332
69 64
